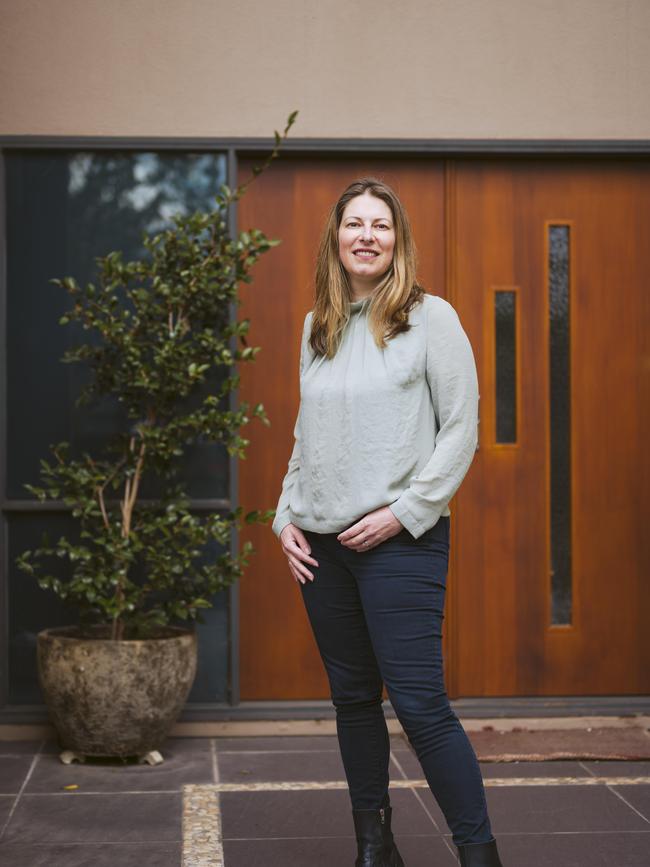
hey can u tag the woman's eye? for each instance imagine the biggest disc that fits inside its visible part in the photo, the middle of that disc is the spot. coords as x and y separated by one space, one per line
381 225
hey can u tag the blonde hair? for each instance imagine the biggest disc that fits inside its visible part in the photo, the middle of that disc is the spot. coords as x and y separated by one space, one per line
392 299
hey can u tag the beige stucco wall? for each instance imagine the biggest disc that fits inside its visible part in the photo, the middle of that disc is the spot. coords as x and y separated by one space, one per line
390 68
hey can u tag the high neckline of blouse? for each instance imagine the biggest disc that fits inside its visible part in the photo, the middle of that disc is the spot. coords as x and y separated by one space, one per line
357 305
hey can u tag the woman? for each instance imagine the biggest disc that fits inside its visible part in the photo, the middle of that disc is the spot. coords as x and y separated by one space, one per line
386 431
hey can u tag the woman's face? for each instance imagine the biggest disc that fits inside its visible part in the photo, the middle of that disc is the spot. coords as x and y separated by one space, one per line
366 225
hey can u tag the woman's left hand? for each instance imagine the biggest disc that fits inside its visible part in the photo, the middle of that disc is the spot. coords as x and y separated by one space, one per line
371 530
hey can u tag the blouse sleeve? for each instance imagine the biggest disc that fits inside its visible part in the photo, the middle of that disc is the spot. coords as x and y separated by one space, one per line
453 384
282 518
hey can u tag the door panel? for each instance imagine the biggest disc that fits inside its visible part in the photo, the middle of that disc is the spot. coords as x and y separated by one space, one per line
586 420
572 377
278 655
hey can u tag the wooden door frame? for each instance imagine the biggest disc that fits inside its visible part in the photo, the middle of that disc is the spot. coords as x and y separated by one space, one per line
236 148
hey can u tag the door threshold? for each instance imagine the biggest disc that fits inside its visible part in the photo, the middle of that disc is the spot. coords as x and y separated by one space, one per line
518 707
319 716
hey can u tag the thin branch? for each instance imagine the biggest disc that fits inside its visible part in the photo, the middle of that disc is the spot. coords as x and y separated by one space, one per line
99 489
100 496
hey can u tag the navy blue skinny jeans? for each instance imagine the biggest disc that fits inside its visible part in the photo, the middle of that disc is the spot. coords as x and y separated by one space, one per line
377 619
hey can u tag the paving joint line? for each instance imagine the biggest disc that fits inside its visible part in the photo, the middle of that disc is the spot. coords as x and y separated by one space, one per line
305 785
202 827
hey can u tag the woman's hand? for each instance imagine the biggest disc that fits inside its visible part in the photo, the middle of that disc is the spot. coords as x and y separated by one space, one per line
298 550
373 528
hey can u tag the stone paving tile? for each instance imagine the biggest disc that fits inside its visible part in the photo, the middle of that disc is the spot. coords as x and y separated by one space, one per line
98 855
180 746
77 818
324 813
51 747
13 770
171 745
292 743
310 765
12 748
6 802
182 764
609 849
428 851
324 852
618 769
553 809
639 798
428 803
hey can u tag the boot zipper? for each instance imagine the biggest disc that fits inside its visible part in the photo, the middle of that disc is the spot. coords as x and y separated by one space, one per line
381 815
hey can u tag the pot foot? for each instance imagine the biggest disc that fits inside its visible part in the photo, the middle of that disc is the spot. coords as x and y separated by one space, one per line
69 756
153 757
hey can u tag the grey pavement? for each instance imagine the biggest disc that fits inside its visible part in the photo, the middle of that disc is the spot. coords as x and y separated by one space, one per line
282 800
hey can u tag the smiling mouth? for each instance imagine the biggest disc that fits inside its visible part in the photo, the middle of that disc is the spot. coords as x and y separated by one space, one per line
365 254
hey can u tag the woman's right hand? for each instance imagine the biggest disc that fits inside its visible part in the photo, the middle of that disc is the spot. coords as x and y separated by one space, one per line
298 551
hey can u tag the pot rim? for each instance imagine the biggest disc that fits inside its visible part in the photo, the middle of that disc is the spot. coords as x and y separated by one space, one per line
59 633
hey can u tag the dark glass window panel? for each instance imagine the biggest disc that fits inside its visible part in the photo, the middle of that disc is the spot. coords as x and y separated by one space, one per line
560 422
506 365
63 209
33 608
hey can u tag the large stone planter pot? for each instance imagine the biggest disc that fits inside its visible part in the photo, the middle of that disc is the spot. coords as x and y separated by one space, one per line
115 698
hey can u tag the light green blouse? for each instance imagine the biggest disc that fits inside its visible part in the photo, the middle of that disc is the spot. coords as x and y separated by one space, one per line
395 427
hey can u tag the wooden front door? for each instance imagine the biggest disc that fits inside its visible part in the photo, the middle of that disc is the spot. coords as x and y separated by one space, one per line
545 263
549 273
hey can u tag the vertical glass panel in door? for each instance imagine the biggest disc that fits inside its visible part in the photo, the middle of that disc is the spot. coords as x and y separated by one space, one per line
505 319
559 353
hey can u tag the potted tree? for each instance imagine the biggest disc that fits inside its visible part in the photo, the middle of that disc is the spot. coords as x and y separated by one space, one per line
116 680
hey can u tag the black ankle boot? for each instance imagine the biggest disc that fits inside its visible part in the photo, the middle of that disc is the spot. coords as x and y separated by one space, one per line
479 854
368 826
391 855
